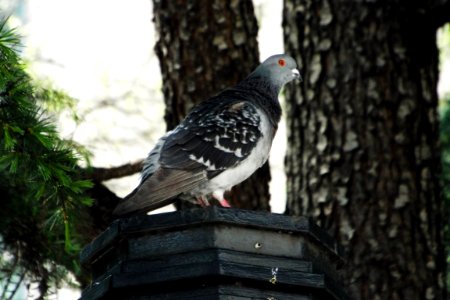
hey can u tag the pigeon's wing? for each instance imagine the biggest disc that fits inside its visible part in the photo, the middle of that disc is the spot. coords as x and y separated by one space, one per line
151 163
216 135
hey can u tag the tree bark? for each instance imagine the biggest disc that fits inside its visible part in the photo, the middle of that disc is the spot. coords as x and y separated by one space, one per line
363 155
204 47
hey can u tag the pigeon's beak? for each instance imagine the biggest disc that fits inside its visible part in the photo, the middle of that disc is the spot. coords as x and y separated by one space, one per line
296 74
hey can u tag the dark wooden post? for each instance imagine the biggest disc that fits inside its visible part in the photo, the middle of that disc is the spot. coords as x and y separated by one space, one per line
213 253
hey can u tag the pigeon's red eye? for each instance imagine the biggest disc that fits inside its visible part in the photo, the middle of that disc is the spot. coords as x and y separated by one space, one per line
281 62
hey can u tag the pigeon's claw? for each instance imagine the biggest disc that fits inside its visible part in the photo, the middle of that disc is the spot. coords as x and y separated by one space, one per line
218 195
224 203
202 201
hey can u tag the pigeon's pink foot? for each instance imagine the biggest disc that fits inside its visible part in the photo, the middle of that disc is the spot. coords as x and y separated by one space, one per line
224 203
218 195
202 201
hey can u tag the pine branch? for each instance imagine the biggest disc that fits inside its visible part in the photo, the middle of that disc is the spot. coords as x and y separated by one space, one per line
39 177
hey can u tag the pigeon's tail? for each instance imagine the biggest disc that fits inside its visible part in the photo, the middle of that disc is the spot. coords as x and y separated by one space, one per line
160 190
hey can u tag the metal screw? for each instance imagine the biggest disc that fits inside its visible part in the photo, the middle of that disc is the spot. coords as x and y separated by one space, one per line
273 280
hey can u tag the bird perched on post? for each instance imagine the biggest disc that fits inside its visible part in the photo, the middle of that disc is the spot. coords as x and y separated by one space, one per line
219 144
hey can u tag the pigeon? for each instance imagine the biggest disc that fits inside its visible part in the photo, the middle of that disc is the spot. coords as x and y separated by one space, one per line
221 142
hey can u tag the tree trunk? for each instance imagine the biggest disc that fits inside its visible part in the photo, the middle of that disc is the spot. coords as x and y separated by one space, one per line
204 47
363 155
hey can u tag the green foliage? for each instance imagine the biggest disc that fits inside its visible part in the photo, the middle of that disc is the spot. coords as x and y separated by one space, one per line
444 110
55 100
445 145
39 181
444 42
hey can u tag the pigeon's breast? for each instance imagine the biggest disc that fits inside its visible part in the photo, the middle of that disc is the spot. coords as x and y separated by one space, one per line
235 175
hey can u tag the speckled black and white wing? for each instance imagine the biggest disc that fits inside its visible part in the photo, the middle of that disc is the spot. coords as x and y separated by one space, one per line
216 135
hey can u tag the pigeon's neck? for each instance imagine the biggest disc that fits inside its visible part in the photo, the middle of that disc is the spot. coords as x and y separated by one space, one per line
262 85
263 93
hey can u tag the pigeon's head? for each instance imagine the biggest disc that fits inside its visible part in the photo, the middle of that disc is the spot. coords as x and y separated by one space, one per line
278 69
